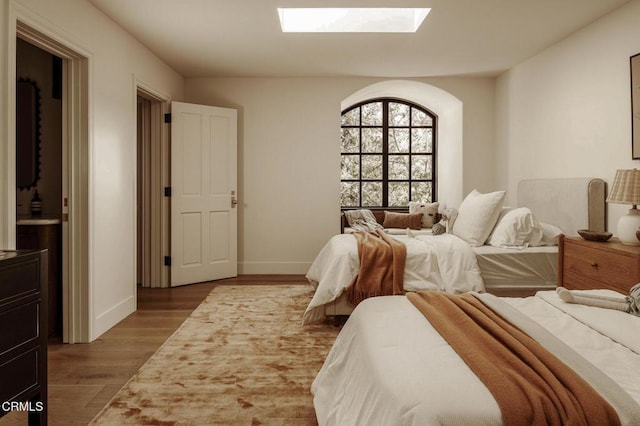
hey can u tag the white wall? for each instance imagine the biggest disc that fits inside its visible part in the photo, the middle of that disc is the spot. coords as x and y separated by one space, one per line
289 158
566 112
116 60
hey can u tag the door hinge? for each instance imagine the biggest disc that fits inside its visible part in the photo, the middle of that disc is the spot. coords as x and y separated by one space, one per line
167 191
167 261
167 117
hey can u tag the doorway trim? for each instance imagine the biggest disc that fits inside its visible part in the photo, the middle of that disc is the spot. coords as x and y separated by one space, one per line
76 149
156 204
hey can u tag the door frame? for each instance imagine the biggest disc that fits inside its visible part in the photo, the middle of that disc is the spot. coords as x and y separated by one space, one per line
155 203
76 142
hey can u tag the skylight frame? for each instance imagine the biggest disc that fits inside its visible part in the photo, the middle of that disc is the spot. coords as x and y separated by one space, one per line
352 20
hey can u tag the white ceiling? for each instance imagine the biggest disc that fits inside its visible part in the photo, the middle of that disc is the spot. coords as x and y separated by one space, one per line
222 38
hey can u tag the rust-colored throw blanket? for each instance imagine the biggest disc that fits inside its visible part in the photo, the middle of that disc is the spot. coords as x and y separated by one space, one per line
530 385
381 271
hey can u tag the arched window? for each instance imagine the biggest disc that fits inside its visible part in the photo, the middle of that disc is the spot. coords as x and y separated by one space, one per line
388 154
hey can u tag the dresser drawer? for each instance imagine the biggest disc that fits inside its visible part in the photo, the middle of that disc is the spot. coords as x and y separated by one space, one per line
20 326
19 279
20 376
598 268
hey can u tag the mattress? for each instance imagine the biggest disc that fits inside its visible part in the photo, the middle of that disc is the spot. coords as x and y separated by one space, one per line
532 268
390 366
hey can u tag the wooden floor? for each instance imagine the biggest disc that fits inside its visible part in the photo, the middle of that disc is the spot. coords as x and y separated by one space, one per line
84 377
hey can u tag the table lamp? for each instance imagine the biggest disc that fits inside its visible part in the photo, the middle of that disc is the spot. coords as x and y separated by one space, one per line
626 190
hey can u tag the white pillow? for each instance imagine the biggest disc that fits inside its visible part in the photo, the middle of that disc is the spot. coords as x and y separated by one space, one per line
362 220
477 215
550 234
517 228
428 210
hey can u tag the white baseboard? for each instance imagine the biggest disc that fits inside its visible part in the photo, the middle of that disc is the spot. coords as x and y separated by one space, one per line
265 268
112 316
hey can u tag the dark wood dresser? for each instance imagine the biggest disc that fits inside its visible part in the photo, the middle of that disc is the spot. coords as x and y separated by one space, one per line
585 265
23 333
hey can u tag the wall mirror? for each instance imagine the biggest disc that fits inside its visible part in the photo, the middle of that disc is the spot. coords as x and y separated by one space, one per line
635 106
27 133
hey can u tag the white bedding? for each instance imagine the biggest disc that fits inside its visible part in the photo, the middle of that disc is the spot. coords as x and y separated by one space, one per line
442 262
389 366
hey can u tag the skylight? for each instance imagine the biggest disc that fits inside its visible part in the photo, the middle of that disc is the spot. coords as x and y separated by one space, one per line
352 20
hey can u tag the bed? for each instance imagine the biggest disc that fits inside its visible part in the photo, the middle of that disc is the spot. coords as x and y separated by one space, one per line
389 365
569 204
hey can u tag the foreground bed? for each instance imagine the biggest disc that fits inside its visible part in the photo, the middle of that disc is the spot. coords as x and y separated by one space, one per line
390 366
569 204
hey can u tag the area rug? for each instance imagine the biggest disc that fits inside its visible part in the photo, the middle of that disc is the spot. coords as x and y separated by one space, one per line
242 357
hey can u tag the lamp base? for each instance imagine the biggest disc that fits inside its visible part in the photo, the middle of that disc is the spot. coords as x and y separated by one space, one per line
627 226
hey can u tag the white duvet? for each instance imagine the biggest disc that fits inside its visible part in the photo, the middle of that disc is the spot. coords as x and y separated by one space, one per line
389 366
442 262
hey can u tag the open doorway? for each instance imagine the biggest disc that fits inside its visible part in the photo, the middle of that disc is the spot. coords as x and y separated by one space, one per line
39 204
74 186
143 192
152 205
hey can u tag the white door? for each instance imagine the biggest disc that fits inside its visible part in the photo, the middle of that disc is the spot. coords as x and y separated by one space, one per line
203 193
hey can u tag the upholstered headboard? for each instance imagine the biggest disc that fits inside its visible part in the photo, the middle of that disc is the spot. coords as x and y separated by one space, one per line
571 203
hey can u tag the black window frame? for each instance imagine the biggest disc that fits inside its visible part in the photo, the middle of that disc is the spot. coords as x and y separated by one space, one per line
385 153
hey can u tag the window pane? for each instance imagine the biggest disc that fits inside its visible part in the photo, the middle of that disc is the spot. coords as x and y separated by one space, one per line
398 114
398 140
421 191
419 118
421 140
421 166
372 114
372 194
350 140
350 165
351 118
349 194
398 167
377 175
372 167
399 194
372 140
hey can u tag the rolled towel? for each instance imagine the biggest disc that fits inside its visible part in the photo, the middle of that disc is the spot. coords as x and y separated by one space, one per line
634 300
620 303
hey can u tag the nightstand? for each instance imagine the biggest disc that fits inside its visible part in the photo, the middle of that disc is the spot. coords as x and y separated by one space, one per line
584 265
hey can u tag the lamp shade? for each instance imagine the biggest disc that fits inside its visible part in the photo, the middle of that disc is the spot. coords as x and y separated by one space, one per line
625 188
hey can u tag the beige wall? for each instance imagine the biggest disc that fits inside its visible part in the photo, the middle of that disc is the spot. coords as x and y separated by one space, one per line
116 62
566 112
288 154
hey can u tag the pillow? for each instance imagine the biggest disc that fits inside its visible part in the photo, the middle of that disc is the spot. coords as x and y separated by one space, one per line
516 228
429 212
449 216
402 220
477 215
550 234
362 220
